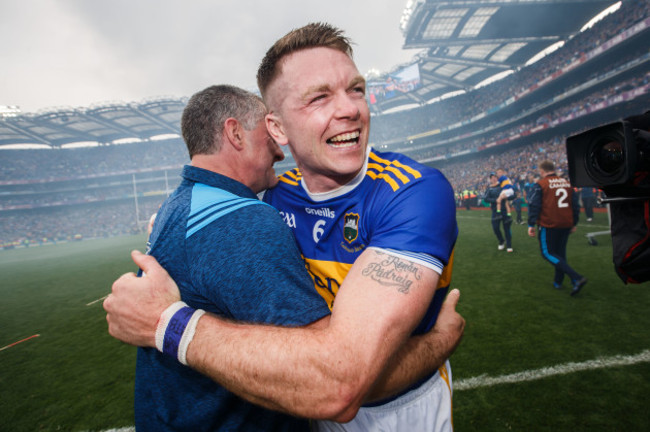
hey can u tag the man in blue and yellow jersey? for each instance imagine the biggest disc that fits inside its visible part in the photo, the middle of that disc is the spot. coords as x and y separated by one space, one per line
377 232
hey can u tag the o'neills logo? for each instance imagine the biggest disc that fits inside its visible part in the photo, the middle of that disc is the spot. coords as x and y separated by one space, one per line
351 227
322 212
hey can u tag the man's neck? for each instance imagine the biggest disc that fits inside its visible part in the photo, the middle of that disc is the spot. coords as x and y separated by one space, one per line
212 163
324 185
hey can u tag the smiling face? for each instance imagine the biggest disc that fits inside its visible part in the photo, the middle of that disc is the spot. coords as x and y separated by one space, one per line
317 106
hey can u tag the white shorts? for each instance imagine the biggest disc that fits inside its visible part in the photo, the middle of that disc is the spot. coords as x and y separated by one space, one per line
425 409
507 193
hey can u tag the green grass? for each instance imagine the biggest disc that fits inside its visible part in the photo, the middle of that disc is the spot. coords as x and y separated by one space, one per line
75 377
517 322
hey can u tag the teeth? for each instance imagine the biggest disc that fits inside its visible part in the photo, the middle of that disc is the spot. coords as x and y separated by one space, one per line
344 144
349 136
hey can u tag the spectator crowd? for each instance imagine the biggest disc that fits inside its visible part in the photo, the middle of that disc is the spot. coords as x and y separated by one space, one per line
51 195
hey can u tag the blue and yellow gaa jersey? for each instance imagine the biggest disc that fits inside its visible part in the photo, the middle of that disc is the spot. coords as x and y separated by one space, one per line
394 203
505 183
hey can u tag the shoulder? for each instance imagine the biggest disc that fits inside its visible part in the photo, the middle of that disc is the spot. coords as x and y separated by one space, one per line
399 173
212 207
289 179
288 189
410 194
257 212
536 188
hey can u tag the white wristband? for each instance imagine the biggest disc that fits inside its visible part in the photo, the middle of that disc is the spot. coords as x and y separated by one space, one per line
176 328
163 321
188 335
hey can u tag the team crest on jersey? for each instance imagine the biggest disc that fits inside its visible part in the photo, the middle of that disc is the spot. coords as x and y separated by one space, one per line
351 227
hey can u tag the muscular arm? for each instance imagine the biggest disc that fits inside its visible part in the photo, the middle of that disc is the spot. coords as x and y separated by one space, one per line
324 370
321 373
417 358
421 355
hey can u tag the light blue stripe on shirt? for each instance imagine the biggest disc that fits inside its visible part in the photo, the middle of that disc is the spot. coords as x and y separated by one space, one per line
209 204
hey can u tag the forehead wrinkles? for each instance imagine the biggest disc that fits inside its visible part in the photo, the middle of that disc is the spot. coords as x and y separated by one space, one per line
291 75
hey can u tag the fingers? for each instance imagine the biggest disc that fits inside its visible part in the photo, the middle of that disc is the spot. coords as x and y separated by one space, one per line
452 299
122 281
450 304
109 301
159 285
106 304
146 263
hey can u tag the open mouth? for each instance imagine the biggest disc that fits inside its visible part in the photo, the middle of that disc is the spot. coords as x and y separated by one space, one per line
347 139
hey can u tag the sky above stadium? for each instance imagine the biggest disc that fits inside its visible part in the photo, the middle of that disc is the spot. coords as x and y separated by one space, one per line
76 53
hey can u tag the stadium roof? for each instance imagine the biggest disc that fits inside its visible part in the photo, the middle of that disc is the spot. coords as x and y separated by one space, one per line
101 124
465 42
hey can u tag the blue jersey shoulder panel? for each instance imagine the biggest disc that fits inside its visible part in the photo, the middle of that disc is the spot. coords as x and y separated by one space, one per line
209 204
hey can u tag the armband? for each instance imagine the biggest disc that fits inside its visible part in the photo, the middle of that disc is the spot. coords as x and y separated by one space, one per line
175 330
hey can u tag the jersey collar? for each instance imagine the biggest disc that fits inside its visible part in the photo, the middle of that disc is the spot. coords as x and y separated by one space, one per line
342 190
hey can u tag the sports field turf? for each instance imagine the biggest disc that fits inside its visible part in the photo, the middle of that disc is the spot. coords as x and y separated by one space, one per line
532 358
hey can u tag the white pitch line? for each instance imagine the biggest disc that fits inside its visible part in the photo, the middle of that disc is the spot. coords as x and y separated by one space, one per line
98 300
124 429
486 381
563 369
581 225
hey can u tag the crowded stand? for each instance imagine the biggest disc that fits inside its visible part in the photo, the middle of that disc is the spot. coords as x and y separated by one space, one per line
632 17
53 195
58 195
56 164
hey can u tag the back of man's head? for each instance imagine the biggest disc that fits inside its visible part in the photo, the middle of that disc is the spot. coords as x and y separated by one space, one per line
547 165
310 36
206 111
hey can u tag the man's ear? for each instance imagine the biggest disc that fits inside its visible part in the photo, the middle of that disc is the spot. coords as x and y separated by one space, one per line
275 128
234 132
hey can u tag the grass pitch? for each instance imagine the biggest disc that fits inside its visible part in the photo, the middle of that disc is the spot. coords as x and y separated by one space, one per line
75 377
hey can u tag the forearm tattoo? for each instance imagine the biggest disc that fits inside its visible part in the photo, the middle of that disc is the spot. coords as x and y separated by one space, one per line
393 271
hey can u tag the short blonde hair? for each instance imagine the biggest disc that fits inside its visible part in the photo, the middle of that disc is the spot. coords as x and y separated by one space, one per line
310 36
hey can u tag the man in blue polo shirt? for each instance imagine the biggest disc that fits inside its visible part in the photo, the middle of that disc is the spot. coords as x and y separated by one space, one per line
214 222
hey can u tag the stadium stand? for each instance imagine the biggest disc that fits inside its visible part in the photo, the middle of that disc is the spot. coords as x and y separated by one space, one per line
64 194
48 196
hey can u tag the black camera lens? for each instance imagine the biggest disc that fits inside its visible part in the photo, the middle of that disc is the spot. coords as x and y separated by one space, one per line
608 154
609 157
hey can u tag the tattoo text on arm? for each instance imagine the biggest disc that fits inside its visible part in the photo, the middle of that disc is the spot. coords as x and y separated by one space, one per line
393 271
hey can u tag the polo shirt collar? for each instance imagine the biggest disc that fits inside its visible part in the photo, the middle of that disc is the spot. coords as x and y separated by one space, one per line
211 178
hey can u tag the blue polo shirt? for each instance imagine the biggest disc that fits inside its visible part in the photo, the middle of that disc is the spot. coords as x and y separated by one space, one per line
231 255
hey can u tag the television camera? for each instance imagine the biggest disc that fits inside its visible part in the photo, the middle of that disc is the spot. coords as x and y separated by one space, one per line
616 159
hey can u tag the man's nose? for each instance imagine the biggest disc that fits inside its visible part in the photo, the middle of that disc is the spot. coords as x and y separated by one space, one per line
346 107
